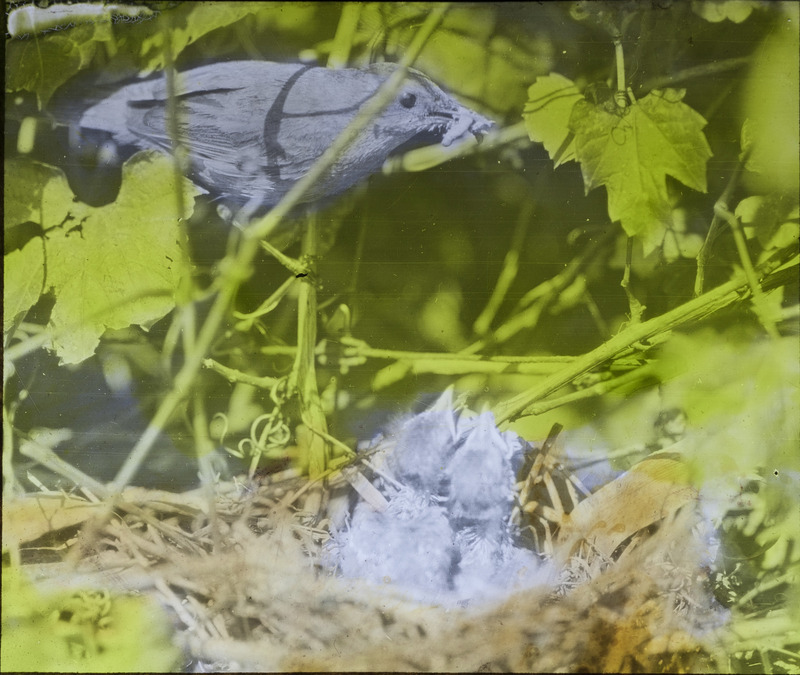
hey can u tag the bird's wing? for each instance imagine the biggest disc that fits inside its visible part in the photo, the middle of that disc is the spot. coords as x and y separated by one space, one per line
137 113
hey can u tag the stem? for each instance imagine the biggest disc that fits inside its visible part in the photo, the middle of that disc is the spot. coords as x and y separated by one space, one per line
508 273
10 483
422 159
619 57
759 300
713 230
345 33
636 307
265 307
303 378
598 389
233 375
294 266
362 349
528 311
696 71
203 449
693 310
179 154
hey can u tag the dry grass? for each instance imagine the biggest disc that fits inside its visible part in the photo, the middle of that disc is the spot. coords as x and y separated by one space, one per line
247 593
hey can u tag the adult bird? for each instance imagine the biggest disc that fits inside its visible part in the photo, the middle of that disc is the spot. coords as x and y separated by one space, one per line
252 129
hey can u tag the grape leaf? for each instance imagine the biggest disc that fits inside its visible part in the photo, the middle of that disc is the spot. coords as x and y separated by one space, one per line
547 114
108 267
119 264
190 22
23 279
42 65
36 193
632 150
741 398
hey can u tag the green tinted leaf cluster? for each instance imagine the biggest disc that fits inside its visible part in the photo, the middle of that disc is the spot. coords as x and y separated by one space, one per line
67 632
107 267
42 63
629 150
41 66
632 150
742 397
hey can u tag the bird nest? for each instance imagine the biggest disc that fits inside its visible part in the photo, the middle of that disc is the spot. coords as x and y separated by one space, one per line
238 568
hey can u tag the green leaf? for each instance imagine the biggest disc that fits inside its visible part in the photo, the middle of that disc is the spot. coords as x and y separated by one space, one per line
35 193
191 21
632 150
23 280
772 218
42 65
742 399
547 113
120 264
715 11
772 107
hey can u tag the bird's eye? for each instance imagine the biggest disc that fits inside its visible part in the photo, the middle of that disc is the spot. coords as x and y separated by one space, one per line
408 100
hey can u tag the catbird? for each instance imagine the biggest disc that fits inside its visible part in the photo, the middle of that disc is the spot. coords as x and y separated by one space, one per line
251 129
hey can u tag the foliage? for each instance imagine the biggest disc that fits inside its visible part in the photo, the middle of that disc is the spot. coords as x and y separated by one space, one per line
83 632
504 272
98 262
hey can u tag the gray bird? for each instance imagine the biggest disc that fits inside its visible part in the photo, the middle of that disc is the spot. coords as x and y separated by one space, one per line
480 474
409 545
490 567
422 447
446 535
253 128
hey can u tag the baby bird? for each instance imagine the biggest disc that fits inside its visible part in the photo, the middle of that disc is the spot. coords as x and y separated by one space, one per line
409 545
446 536
480 476
422 446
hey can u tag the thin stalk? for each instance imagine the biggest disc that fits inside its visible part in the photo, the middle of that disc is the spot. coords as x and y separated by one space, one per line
508 273
713 230
598 389
303 378
636 308
693 310
759 301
